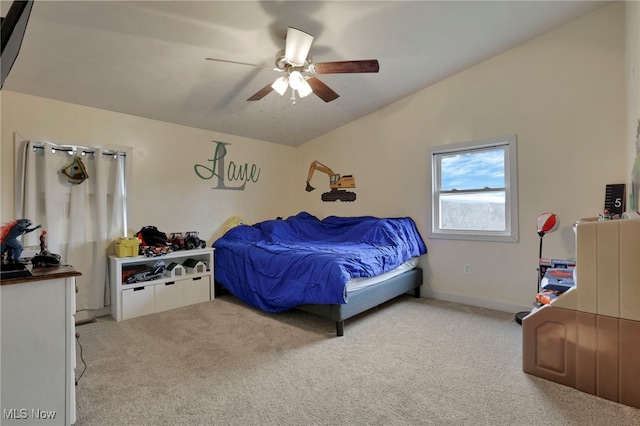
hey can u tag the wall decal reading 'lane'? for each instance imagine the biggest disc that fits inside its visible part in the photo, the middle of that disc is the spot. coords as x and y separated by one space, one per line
233 172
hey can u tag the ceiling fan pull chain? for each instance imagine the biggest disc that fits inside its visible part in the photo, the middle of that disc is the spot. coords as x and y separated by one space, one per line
293 96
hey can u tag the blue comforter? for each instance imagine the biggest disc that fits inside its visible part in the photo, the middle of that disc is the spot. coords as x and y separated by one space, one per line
279 264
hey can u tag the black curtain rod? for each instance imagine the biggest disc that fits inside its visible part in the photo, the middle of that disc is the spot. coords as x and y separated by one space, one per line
84 150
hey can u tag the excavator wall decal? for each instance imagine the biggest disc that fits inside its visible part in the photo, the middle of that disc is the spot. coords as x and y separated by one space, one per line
336 183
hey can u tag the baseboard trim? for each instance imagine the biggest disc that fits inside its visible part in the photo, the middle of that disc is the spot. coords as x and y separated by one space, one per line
89 315
475 301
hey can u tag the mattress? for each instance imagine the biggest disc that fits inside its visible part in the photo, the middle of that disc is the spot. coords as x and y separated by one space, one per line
356 284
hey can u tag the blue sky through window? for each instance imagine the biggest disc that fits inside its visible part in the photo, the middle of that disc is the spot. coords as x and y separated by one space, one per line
473 170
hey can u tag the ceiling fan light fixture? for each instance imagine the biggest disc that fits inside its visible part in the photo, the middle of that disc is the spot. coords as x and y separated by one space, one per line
280 85
296 80
294 61
305 89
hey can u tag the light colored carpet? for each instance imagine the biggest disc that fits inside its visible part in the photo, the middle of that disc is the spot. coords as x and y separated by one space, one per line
409 362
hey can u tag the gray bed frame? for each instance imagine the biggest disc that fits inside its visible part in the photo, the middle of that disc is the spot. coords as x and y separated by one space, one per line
367 298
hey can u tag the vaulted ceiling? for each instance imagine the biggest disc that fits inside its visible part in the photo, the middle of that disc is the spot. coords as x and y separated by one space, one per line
148 58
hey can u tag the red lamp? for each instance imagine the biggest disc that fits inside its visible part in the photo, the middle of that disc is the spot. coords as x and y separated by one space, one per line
546 223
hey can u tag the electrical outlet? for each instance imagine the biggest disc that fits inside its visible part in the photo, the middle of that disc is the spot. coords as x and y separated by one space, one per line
467 269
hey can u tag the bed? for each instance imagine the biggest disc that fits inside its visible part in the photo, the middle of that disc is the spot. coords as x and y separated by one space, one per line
337 267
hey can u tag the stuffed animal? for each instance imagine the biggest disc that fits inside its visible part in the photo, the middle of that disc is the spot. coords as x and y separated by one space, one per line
234 221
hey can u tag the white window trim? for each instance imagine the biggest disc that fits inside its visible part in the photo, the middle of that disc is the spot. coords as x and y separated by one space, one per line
511 201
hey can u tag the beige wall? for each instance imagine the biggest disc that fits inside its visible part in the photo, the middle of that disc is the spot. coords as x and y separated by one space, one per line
562 94
632 72
165 190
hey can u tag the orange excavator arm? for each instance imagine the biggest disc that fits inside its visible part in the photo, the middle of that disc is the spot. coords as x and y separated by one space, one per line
316 165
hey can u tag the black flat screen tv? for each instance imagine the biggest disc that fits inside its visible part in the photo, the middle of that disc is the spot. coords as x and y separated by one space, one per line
12 31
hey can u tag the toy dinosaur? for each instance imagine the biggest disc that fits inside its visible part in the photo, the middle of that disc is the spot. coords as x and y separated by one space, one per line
9 234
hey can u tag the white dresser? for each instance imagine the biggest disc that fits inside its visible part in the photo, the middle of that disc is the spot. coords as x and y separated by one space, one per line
38 349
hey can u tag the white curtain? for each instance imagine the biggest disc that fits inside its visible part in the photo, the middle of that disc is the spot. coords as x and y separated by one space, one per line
81 219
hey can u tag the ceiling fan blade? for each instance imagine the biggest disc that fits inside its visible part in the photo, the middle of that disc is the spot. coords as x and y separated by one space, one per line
367 65
242 63
323 91
297 47
261 93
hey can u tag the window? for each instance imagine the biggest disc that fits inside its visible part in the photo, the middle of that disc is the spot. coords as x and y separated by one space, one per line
474 190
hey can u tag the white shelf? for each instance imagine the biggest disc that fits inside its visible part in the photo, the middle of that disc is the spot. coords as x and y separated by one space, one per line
167 292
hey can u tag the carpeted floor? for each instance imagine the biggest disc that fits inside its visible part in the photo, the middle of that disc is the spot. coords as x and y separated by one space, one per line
409 362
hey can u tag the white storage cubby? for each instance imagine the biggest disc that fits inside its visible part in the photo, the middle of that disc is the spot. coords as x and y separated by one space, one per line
169 291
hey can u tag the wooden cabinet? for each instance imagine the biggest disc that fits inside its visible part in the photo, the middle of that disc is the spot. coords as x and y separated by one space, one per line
38 358
187 278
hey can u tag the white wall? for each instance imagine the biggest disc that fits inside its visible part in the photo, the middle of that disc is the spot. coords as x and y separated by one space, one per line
632 72
165 190
562 94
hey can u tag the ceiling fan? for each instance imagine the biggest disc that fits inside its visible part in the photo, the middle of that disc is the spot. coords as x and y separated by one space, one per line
295 62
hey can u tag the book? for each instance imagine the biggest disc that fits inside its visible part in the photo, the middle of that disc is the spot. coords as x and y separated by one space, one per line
558 279
546 263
